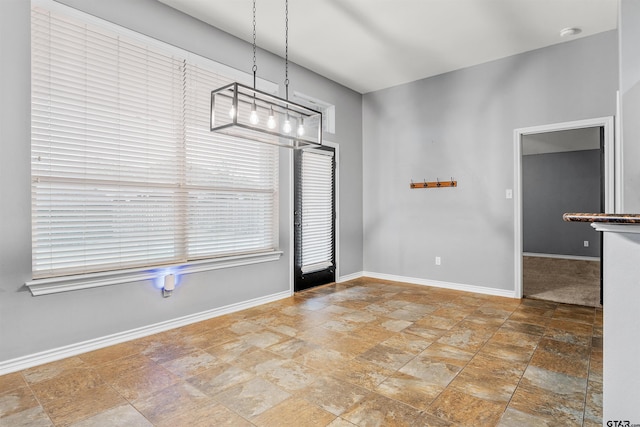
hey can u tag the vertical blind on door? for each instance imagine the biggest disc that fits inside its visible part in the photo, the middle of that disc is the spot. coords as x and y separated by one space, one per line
125 172
317 206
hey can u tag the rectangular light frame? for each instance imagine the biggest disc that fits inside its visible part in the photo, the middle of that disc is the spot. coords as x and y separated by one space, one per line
240 99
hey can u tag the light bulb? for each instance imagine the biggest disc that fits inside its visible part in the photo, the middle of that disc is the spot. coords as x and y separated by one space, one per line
253 117
286 128
232 112
300 130
271 122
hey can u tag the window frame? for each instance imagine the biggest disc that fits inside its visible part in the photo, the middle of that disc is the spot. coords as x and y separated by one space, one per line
55 284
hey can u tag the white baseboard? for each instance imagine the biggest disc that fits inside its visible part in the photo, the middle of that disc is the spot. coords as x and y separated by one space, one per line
445 285
559 256
351 276
29 361
47 356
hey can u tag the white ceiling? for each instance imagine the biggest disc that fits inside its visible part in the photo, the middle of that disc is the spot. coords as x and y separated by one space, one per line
369 45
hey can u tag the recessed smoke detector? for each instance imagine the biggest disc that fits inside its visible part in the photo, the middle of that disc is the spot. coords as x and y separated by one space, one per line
570 31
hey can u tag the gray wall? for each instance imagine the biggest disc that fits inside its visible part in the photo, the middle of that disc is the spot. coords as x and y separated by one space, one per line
33 324
461 125
555 183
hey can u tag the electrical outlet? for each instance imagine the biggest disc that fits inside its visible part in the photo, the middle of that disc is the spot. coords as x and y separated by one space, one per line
509 193
586 243
438 260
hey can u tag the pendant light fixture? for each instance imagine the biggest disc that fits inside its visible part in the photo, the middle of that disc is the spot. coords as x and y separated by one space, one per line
241 111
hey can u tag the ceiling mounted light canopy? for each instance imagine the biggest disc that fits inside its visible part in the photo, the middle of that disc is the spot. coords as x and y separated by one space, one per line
241 111
570 31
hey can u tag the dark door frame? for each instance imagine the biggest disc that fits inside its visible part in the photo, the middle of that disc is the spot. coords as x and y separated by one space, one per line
302 281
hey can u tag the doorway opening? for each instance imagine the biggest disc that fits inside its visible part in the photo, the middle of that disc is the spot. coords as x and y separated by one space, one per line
315 215
560 168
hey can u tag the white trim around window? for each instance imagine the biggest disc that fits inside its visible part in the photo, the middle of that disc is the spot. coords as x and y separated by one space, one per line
127 181
56 285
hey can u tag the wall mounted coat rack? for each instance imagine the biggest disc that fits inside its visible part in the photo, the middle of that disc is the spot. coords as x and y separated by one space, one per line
434 184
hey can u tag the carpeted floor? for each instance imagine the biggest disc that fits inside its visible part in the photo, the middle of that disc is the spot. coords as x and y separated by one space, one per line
562 280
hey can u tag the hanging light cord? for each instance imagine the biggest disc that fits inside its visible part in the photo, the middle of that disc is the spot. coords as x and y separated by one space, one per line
286 48
255 67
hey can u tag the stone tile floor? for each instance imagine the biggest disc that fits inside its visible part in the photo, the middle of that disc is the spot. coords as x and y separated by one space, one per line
364 353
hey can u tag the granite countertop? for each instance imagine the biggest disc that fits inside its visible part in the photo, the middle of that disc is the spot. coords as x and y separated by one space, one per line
602 217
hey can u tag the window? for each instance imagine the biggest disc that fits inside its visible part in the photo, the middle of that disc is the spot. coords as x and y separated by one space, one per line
125 173
328 110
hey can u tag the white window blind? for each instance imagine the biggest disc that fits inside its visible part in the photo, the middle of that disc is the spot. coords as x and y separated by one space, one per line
232 185
317 210
125 172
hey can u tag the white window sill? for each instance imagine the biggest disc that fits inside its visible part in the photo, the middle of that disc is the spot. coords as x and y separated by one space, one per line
85 281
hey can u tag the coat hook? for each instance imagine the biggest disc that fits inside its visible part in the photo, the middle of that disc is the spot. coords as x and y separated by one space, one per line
437 182
452 183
